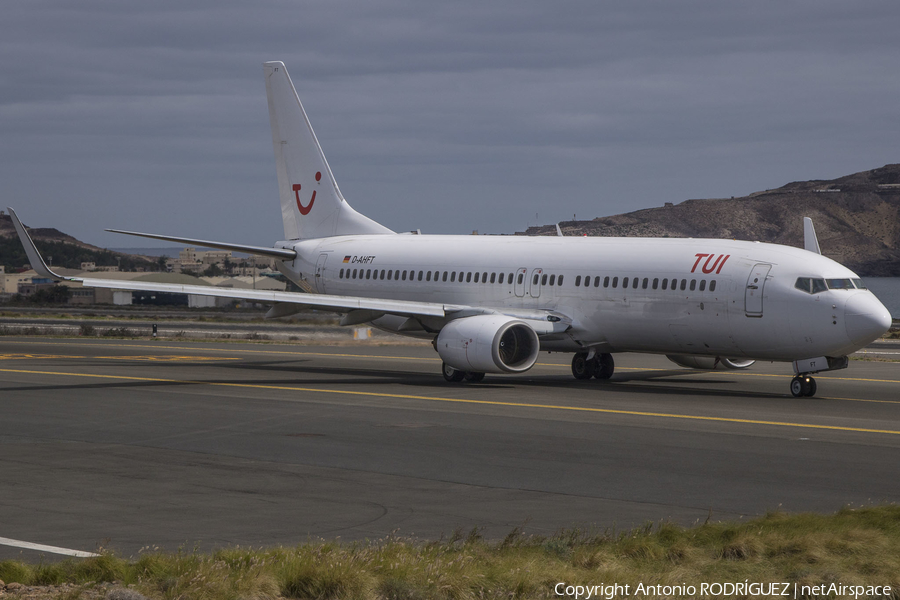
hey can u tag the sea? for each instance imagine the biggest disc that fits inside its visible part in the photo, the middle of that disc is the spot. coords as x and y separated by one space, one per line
887 289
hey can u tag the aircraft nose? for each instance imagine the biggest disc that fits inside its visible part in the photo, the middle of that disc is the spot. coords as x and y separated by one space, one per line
866 318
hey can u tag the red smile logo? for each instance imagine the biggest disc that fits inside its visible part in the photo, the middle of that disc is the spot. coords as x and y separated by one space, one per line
304 210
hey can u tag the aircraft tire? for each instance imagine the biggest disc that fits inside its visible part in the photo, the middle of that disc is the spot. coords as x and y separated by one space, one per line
604 366
581 367
473 376
452 375
810 385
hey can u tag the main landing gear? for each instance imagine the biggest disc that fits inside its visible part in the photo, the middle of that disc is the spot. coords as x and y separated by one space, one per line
803 385
455 375
600 366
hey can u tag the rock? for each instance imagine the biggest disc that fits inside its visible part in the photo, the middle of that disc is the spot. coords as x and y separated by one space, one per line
124 594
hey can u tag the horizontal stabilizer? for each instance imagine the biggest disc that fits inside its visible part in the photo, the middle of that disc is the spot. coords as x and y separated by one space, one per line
281 253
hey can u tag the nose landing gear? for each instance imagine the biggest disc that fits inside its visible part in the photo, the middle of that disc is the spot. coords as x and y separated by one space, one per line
803 385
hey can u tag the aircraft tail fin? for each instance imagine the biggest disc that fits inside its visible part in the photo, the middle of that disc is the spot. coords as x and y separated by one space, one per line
311 202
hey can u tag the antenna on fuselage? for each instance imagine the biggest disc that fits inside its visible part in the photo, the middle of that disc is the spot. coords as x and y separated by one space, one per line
810 242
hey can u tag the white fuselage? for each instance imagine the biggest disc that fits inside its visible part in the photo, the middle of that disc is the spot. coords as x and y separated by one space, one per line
629 303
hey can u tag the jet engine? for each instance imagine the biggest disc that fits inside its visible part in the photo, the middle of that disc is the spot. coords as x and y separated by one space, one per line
488 344
709 363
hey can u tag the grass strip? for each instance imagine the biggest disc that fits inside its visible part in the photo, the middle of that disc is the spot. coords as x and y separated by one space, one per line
855 546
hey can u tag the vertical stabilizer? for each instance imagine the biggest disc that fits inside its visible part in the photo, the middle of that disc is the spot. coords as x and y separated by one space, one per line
810 242
311 202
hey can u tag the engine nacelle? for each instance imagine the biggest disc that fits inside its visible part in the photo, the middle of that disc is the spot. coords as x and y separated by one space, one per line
488 344
709 363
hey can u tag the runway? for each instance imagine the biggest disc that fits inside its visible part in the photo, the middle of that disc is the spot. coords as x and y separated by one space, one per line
128 444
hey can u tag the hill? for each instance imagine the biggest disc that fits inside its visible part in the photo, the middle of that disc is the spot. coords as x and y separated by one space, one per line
857 219
65 250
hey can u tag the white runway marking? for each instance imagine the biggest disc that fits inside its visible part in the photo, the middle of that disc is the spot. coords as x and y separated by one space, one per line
42 548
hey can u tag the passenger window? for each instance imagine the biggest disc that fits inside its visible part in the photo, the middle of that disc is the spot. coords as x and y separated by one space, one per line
634 284
577 280
552 279
606 281
521 276
683 284
368 273
544 280
484 277
656 283
341 276
420 275
535 280
468 278
597 281
702 285
354 273
476 277
493 277
693 284
404 275
645 283
428 276
615 282
453 277
624 282
500 278
712 285
559 281
665 284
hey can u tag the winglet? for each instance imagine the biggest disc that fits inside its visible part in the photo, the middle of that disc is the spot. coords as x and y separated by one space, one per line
31 251
809 236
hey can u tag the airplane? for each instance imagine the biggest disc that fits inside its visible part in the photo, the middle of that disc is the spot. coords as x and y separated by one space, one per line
490 304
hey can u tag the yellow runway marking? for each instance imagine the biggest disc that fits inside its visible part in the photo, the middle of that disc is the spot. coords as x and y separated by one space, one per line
150 358
465 401
430 359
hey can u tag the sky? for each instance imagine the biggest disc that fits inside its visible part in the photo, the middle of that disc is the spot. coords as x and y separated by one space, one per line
447 117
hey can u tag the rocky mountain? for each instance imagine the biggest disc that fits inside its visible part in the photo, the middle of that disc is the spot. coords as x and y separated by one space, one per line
857 219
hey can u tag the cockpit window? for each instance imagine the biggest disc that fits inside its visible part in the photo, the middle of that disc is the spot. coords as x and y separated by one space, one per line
859 284
839 284
810 285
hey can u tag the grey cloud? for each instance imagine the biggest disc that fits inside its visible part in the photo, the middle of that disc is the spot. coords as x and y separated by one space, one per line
449 117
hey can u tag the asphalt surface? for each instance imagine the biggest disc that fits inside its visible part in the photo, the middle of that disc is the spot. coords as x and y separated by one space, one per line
128 444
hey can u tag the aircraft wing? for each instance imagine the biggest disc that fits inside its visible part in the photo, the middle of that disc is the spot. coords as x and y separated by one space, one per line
318 301
543 322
